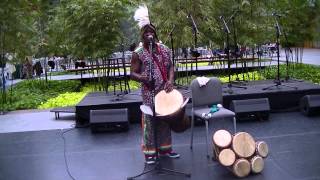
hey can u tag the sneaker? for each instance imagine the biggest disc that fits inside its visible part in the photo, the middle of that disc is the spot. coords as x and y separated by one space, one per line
150 160
171 155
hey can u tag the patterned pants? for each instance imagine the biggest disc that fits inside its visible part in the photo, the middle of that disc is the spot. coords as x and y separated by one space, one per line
163 136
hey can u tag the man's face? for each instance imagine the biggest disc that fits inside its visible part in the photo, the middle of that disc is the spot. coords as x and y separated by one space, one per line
148 32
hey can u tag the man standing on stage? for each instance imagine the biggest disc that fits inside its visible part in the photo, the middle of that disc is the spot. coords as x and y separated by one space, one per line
163 78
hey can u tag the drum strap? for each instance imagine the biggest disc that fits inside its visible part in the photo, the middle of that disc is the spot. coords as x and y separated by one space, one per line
162 69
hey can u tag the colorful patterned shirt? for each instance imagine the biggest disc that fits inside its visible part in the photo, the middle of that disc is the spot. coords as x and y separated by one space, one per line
161 65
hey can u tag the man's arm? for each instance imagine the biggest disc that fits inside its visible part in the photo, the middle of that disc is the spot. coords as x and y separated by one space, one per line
135 70
171 73
169 84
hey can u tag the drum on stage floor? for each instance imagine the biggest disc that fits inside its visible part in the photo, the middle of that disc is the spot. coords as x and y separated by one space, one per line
221 139
256 164
241 167
262 149
227 157
243 144
170 107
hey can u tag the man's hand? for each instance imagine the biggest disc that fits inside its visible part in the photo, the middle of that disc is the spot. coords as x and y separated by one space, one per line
168 86
146 81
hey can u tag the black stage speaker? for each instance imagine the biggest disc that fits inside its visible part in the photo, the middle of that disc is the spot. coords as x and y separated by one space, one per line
109 120
310 105
251 108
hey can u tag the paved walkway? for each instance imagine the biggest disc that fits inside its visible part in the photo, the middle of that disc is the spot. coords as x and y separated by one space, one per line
310 56
12 82
34 120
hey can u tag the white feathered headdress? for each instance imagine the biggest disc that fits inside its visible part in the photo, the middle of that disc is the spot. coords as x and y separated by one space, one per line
142 16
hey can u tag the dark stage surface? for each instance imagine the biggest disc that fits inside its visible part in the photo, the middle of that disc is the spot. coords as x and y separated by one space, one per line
292 139
289 100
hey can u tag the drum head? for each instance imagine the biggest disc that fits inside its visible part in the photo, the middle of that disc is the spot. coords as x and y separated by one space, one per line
257 164
262 149
243 144
168 103
241 168
222 138
227 157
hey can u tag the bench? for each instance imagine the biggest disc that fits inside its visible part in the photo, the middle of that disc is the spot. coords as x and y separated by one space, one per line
67 109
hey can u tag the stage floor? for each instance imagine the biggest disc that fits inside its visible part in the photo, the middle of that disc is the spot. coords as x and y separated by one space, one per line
39 155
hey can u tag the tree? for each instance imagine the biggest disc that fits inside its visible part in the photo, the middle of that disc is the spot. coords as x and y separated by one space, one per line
89 28
299 19
17 27
254 22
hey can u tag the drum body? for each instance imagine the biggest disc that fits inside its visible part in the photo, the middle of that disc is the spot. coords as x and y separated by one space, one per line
221 139
170 107
243 144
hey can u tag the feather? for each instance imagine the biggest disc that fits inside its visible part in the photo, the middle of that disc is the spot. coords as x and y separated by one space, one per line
142 16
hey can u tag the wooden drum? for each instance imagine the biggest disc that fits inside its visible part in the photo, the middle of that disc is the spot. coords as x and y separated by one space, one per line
227 157
241 168
256 164
262 149
222 138
243 144
170 107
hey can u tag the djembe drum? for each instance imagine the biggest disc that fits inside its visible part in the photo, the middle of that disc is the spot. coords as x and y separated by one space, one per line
241 167
226 157
262 149
243 145
256 164
221 141
170 107
239 153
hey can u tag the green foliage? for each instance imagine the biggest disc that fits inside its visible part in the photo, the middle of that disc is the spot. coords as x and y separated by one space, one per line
134 85
298 71
300 19
89 28
94 28
250 76
73 98
29 94
16 27
254 23
65 99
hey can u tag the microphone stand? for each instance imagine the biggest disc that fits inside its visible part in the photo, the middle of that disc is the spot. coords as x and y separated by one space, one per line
236 49
278 81
158 167
126 81
3 64
172 48
288 53
173 60
195 32
227 31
